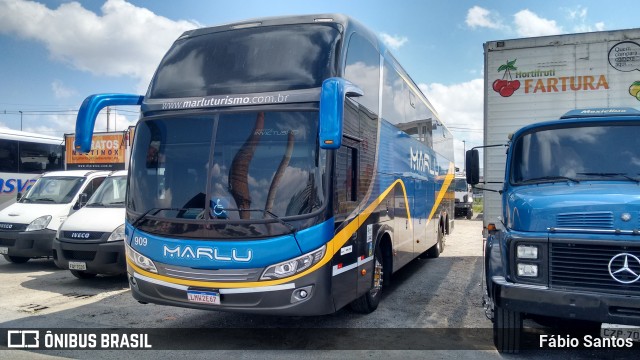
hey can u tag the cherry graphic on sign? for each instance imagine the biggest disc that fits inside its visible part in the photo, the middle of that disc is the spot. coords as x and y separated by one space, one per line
503 86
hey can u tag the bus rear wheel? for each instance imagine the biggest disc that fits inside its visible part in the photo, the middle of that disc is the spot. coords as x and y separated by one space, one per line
368 302
16 259
435 250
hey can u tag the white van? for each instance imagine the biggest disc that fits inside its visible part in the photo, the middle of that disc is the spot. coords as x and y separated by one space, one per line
28 227
91 241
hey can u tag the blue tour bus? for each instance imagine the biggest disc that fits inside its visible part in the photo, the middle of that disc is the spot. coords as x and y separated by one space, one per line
280 165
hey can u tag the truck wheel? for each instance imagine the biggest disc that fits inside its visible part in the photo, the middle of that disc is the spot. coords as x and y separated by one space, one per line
16 259
82 274
368 302
469 214
507 327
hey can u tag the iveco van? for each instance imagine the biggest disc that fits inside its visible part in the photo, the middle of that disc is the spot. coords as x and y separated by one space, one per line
28 227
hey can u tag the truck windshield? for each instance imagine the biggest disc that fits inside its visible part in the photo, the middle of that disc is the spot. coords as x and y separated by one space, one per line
111 193
227 166
597 152
460 185
53 190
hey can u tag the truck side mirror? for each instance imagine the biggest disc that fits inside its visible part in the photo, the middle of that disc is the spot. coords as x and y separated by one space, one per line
472 164
334 91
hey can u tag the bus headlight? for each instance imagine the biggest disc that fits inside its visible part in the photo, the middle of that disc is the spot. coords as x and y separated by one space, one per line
39 223
117 234
140 260
293 266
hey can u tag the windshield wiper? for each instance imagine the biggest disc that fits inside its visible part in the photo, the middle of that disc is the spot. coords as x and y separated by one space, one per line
550 178
157 210
95 204
44 199
609 175
291 227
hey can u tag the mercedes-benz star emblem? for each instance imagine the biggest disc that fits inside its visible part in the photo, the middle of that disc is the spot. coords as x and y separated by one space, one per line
625 268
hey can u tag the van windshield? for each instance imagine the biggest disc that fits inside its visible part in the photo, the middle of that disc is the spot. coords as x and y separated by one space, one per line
111 193
53 190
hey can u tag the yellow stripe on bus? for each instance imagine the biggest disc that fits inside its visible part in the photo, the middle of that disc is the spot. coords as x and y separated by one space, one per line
332 247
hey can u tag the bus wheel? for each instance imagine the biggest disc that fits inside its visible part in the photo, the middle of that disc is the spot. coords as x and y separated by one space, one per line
16 259
82 274
368 302
438 248
507 327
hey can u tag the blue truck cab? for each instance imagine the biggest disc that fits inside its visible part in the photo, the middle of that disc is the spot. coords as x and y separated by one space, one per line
568 242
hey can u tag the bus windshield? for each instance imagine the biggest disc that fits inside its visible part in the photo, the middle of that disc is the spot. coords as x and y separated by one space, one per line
260 59
575 154
53 190
111 193
227 166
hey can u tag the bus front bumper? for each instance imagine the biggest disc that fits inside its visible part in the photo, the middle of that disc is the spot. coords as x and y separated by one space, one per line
282 299
28 244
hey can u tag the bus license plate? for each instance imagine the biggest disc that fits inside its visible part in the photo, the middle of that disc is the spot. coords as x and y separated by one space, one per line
4 250
77 265
620 331
204 297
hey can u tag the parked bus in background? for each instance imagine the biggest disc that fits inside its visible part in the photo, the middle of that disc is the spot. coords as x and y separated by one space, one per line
282 166
23 156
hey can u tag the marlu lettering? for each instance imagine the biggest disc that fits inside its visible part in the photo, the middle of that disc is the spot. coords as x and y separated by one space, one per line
566 83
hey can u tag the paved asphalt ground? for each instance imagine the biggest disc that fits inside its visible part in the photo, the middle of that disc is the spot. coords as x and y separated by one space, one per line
432 309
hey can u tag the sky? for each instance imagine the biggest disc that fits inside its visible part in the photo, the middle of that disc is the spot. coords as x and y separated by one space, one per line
55 53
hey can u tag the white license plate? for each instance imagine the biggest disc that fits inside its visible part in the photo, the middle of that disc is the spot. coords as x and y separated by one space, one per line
77 265
204 297
4 250
620 331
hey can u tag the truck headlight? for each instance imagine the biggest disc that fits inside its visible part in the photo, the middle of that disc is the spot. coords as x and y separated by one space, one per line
117 234
527 252
140 260
39 223
293 266
527 270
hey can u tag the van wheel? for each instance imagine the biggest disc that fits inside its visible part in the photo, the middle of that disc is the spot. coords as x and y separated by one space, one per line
507 328
82 274
368 302
16 259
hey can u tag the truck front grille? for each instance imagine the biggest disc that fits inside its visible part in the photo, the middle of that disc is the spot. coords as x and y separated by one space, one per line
585 220
580 266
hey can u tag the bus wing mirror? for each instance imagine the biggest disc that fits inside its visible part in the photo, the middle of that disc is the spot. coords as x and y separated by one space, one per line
332 96
88 113
472 165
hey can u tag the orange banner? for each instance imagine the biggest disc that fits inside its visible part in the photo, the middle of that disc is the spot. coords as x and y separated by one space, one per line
107 152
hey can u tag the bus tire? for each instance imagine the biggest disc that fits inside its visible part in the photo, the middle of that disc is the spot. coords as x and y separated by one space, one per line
82 274
438 248
368 302
507 328
16 259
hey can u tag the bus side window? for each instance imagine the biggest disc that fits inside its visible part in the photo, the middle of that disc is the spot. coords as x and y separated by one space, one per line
9 156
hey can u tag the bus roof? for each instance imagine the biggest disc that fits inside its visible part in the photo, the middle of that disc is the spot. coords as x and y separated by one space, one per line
9 134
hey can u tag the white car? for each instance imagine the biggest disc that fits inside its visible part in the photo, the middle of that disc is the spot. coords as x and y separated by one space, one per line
91 241
28 227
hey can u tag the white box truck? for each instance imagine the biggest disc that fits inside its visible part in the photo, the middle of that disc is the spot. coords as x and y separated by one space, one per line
541 78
